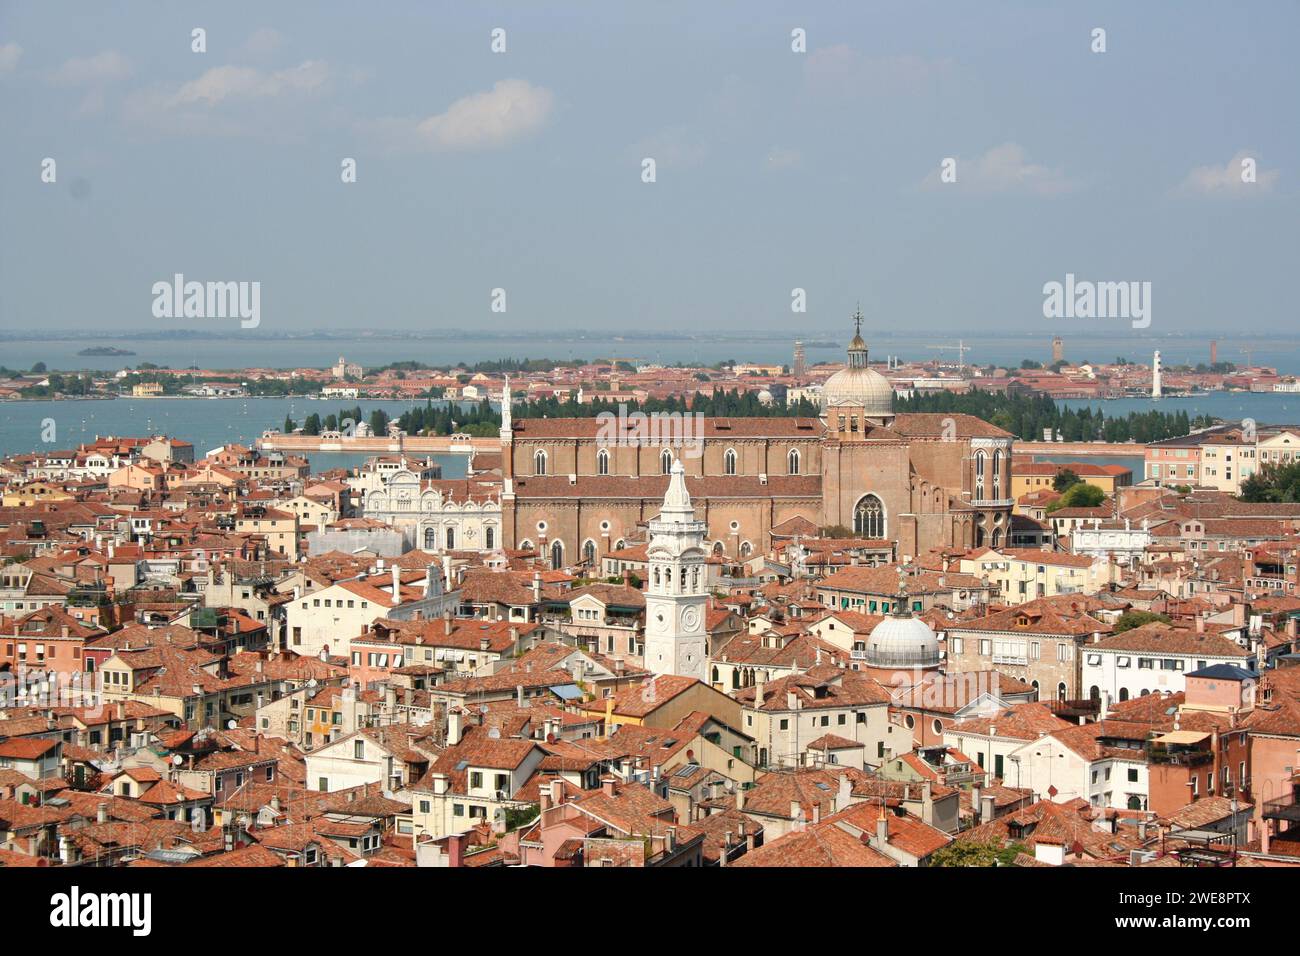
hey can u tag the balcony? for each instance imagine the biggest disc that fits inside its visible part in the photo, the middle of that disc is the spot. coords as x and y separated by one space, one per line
1074 709
1283 808
1179 756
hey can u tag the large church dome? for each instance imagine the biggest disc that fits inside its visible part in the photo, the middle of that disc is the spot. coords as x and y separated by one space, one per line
858 384
902 642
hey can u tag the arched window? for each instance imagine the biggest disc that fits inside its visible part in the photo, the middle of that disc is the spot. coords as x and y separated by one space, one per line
557 554
1094 692
589 553
746 549
997 475
979 475
1123 693
729 462
602 462
869 518
792 462
489 537
995 539
715 673
1060 691
665 462
430 539
451 538
539 463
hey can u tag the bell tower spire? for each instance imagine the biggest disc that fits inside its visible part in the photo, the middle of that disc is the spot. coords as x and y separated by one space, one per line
676 599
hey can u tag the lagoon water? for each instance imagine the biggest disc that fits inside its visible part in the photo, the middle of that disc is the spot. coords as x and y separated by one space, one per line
208 423
822 346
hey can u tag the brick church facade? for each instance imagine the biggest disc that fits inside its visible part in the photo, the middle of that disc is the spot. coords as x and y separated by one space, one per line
578 488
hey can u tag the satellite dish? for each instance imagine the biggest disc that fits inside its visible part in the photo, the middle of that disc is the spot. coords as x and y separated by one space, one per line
312 682
232 723
494 734
177 760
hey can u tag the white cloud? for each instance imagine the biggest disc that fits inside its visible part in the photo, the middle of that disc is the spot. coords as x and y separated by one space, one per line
841 70
512 109
1225 181
246 82
98 70
9 56
1004 169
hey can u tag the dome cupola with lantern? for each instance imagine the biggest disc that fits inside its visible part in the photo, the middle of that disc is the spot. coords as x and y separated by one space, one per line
858 386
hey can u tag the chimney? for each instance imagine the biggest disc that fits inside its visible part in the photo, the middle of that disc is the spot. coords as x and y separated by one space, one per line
607 784
519 695
439 783
791 700
101 813
1200 624
456 849
275 804
986 809
455 723
397 584
882 828
446 572
975 805
740 798
844 794
760 681
537 587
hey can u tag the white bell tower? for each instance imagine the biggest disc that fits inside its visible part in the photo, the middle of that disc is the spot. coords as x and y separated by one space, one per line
676 641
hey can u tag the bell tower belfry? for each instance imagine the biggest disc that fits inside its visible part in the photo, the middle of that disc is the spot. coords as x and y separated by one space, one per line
676 599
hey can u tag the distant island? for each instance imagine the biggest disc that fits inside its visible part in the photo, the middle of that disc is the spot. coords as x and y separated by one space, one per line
105 350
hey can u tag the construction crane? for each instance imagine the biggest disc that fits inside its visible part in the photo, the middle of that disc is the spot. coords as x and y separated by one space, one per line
1250 357
961 348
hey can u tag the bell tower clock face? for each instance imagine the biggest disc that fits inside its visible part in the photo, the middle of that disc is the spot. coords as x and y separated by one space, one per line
661 622
690 619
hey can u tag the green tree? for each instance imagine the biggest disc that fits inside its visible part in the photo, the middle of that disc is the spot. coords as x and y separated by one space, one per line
976 853
1131 619
1079 495
1065 478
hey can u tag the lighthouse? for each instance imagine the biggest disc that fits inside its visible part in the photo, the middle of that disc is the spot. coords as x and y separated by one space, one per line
1156 389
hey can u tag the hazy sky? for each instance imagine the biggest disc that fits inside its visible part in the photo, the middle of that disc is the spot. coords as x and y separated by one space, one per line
775 169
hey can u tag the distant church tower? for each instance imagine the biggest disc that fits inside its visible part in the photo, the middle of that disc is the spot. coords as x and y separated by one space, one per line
1156 388
1058 350
800 367
507 423
676 641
